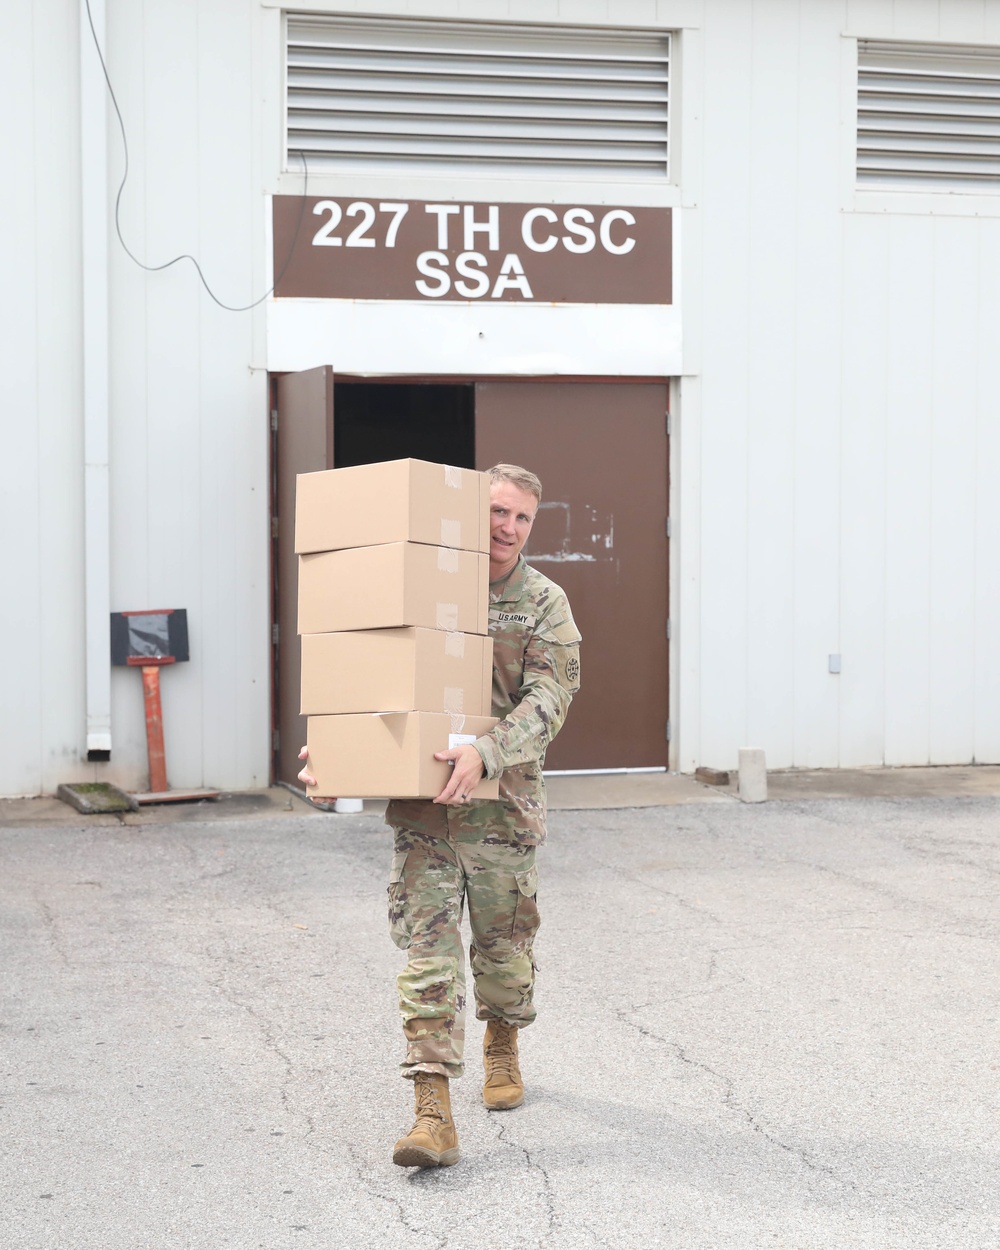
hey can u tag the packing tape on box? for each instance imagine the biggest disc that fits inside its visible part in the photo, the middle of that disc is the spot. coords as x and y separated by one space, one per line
447 560
451 533
457 723
446 616
452 477
454 699
454 645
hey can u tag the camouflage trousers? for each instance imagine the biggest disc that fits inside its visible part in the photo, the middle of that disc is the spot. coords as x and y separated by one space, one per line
430 882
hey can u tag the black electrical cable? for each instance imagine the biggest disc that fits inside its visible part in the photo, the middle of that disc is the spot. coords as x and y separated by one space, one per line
185 255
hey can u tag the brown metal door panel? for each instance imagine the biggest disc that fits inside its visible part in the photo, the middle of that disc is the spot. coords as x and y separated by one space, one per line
304 444
600 450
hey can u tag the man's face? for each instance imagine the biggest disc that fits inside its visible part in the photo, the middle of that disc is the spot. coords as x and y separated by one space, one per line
512 512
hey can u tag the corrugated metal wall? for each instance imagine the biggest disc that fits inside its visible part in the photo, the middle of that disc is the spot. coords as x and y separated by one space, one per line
188 420
189 435
41 445
848 432
837 432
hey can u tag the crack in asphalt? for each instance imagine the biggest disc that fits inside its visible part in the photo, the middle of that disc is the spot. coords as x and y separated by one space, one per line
941 855
598 1244
270 1044
913 846
895 900
729 1100
367 1183
292 1070
52 930
679 899
292 1107
546 1193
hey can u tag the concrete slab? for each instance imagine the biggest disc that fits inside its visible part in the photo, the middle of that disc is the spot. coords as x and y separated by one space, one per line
900 783
591 793
629 790
50 811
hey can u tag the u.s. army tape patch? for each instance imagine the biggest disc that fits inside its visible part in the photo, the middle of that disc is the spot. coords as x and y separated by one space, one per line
512 618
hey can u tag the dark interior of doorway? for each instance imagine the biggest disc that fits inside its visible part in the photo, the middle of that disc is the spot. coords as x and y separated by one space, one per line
393 420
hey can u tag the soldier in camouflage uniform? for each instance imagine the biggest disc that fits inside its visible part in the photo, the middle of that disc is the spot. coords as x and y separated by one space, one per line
452 850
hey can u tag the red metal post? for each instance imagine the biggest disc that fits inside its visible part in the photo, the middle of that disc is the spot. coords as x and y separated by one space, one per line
154 728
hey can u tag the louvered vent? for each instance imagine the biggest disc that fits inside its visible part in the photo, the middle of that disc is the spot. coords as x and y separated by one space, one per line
480 98
928 117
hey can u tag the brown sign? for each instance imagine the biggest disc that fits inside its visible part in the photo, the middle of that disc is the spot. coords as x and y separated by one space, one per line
420 250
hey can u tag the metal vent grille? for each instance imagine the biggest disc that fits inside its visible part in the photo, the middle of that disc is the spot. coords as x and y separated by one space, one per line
542 101
928 117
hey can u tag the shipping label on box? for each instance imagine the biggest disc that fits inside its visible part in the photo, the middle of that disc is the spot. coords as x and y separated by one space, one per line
396 670
388 755
393 501
394 585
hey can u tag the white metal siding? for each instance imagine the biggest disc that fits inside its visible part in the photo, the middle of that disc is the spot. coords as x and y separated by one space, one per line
478 98
189 420
188 417
42 723
836 456
928 116
848 432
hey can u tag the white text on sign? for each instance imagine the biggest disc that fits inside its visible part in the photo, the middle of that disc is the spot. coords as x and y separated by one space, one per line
483 267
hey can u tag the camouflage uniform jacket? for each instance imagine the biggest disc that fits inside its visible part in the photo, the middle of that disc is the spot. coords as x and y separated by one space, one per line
536 672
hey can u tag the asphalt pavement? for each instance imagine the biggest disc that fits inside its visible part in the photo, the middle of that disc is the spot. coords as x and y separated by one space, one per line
764 1027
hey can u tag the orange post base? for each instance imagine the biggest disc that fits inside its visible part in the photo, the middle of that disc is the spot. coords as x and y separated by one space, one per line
154 727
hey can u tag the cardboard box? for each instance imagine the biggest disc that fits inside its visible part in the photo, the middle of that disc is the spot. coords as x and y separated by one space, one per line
389 755
393 501
396 670
393 585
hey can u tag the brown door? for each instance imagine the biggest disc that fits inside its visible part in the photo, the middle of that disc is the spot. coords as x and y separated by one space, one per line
304 443
600 450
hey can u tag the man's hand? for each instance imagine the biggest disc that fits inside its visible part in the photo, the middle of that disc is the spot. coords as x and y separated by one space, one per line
305 776
466 775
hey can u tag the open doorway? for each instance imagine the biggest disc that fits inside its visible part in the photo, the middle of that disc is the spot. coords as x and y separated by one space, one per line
396 420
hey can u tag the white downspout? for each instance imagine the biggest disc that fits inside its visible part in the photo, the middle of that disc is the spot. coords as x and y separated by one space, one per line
96 397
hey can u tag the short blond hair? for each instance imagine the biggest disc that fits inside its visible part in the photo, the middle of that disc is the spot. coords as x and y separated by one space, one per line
521 478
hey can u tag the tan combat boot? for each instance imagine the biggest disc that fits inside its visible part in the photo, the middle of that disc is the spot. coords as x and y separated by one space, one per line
432 1142
503 1088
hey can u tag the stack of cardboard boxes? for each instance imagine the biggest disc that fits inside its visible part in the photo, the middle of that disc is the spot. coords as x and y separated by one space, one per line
397 662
